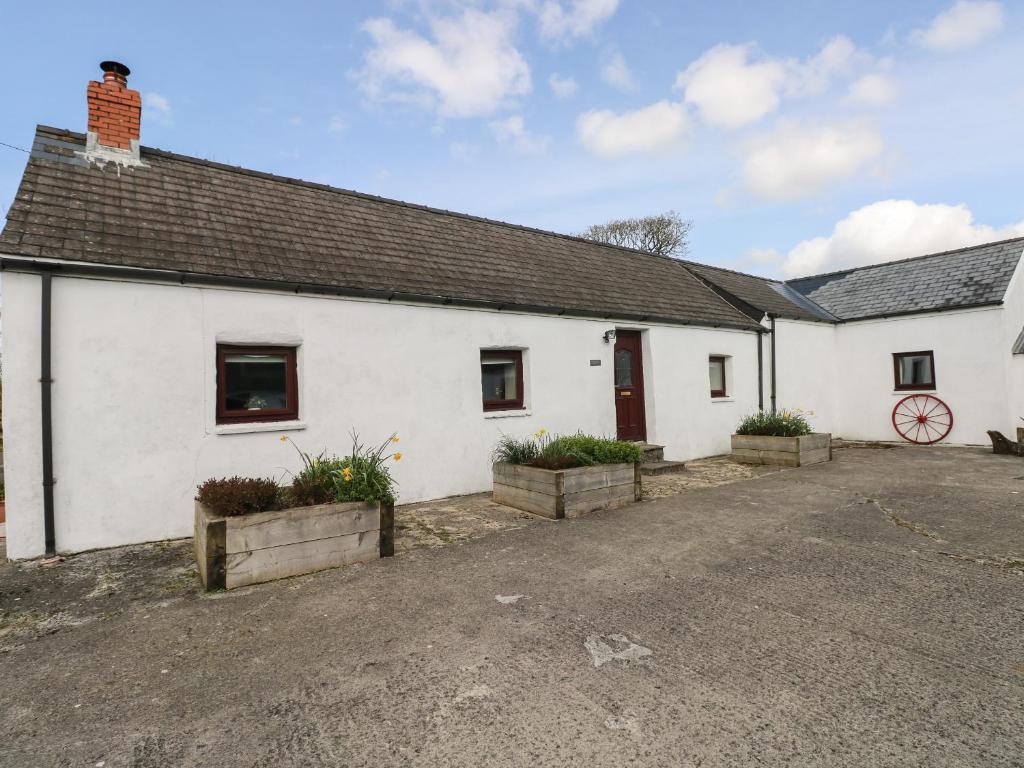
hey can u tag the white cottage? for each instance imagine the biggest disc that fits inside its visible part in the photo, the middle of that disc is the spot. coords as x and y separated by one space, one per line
166 319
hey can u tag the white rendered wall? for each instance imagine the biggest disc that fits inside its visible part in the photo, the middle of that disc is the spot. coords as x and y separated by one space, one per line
23 471
805 372
971 359
134 369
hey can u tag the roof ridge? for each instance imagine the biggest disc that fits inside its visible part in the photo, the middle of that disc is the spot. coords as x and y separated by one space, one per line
733 271
366 196
904 260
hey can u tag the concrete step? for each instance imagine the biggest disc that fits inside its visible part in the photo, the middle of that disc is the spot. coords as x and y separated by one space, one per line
662 467
652 452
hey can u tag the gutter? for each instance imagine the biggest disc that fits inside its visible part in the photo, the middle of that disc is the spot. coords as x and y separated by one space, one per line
190 278
46 409
932 311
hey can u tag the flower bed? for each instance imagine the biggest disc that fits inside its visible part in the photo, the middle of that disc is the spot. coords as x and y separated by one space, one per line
781 439
335 511
559 477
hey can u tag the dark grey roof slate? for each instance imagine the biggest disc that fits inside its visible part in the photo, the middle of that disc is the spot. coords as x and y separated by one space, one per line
759 295
966 277
195 216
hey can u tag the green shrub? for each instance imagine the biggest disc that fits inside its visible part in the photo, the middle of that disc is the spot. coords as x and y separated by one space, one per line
513 450
316 482
564 451
240 495
363 475
780 424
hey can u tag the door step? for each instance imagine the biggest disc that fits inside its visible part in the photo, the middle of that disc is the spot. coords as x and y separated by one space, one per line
662 467
652 452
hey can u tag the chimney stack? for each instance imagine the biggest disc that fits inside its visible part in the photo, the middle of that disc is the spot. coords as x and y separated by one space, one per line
115 111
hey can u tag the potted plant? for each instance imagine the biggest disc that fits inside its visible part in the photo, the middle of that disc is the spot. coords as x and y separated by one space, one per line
335 511
566 476
783 438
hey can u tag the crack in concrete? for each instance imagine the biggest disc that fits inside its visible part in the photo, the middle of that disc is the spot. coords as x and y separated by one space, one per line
896 520
1011 562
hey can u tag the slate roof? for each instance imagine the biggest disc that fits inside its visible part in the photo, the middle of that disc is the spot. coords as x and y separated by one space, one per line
198 217
759 295
966 277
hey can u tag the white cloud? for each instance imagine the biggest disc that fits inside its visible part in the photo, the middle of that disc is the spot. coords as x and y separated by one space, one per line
157 107
965 23
469 67
660 125
295 120
797 160
336 124
735 85
893 229
564 20
562 87
513 131
836 58
617 74
727 90
874 90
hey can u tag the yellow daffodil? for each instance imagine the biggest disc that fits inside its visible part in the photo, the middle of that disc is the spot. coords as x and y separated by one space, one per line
540 432
347 474
394 439
397 456
284 438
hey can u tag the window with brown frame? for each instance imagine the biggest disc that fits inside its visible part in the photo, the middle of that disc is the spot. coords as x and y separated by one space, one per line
716 369
914 370
256 384
501 377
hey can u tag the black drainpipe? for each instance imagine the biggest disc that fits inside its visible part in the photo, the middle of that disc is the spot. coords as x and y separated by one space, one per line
45 384
760 370
772 319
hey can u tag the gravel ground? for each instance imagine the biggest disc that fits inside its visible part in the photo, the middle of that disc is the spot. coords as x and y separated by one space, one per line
862 612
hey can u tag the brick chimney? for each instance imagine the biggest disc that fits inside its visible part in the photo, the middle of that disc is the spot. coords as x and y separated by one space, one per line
115 110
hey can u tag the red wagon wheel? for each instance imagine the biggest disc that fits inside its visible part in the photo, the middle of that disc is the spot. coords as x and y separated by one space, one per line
922 419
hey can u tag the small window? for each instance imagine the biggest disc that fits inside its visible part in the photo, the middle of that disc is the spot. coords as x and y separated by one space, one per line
501 375
716 367
914 370
256 384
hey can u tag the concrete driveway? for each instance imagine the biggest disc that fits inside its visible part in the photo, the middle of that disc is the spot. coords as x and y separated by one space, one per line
867 612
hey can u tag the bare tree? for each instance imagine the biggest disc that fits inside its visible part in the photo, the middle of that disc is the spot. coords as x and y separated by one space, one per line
666 233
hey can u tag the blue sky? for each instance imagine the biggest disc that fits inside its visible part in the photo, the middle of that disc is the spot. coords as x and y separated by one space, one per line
800 137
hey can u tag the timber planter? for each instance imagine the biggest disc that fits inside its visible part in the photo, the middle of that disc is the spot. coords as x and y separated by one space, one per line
262 546
782 451
566 492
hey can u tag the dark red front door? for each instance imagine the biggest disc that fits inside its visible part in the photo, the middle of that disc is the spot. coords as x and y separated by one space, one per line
630 422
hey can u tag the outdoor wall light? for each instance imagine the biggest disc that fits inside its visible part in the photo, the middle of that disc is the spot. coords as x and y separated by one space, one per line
609 335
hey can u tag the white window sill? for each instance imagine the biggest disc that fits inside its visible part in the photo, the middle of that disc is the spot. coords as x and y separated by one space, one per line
906 392
507 414
723 399
258 426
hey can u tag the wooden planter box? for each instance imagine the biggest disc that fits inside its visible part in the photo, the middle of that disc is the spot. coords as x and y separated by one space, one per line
248 549
783 451
566 492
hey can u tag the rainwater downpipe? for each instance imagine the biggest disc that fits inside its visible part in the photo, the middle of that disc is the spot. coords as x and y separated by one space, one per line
46 387
772 319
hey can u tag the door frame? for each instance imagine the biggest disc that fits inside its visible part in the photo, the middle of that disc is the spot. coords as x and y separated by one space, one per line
639 388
